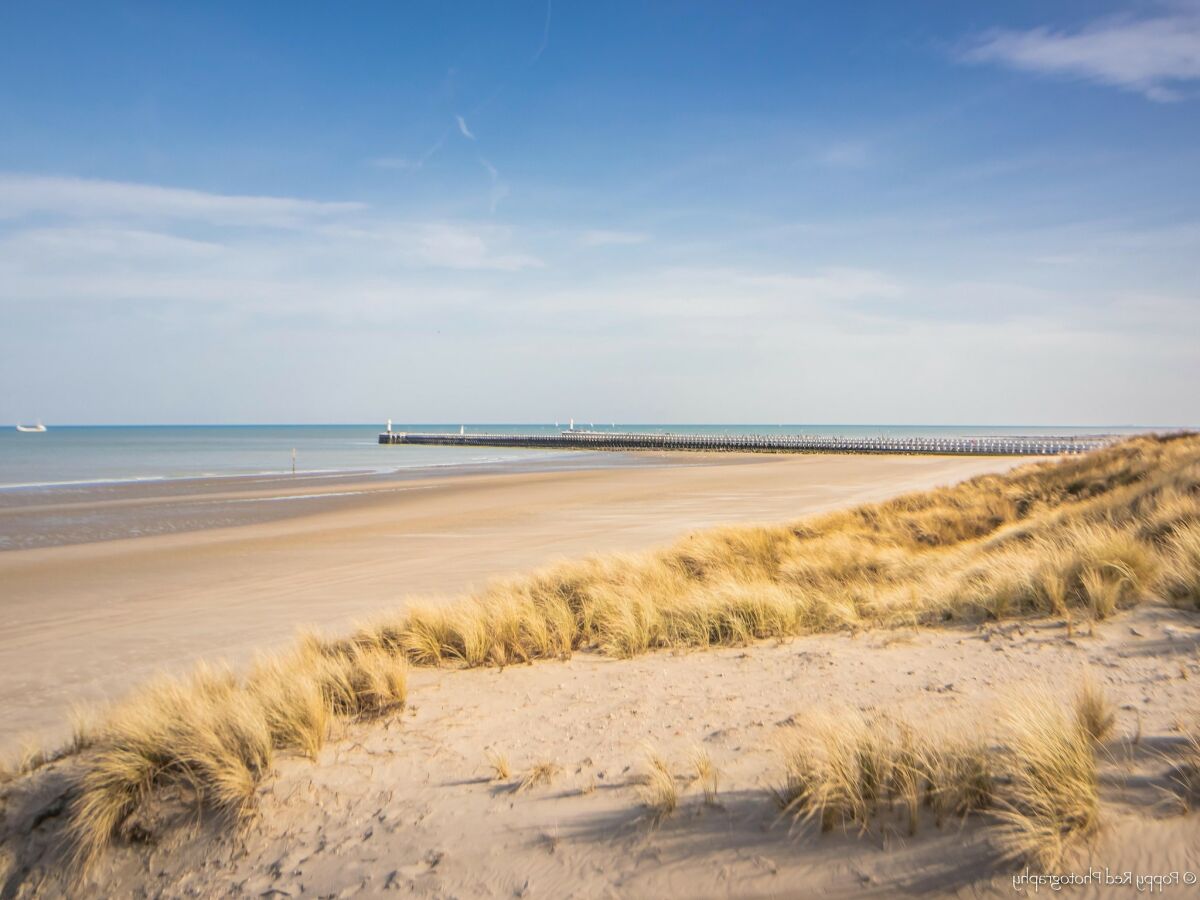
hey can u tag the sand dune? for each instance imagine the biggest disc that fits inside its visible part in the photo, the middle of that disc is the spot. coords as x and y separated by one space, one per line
410 806
661 774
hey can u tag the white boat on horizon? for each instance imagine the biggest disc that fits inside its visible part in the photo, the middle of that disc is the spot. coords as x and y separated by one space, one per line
32 429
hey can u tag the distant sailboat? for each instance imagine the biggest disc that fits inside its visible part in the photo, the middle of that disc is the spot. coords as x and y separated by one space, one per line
32 429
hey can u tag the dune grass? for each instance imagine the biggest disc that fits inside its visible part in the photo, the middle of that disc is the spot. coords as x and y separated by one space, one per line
1187 776
498 763
846 771
1039 786
213 735
1083 536
1094 712
539 773
1053 785
706 774
657 789
1183 570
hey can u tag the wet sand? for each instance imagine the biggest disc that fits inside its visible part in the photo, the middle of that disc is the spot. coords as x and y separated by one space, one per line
86 620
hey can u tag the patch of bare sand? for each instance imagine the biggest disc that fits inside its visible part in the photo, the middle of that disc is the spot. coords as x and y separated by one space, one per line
407 805
85 622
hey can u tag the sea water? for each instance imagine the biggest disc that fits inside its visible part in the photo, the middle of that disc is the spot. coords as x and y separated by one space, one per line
71 455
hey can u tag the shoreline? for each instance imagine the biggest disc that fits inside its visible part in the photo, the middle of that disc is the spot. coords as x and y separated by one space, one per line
40 515
87 621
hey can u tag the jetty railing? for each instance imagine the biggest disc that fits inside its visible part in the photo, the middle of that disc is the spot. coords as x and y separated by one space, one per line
762 443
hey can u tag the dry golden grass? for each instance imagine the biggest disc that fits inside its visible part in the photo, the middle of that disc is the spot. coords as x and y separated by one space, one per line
1085 536
657 790
850 771
83 728
1187 777
214 734
1052 794
707 775
498 763
1094 712
539 773
846 770
1183 572
959 775
1082 536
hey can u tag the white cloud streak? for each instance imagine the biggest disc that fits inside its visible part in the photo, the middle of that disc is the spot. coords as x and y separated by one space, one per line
78 241
600 237
407 164
499 190
1156 57
22 195
396 162
545 36
463 129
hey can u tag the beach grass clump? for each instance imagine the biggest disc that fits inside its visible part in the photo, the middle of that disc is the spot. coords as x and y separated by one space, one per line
843 771
960 776
500 768
657 790
543 772
706 774
848 771
213 735
1183 566
204 733
1052 792
1094 712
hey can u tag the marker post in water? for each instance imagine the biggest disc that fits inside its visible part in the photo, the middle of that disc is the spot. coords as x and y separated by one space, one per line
293 460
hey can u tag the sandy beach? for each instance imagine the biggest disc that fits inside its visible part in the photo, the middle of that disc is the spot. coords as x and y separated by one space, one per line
539 779
412 808
87 620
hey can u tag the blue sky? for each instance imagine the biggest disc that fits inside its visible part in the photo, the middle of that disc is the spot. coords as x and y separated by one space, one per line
936 212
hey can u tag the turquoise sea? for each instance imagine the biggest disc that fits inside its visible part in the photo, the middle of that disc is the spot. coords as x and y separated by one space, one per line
79 455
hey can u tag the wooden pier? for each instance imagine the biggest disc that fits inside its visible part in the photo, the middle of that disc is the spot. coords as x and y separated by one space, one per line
760 443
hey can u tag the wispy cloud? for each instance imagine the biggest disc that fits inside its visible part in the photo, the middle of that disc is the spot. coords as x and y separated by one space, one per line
463 129
692 295
128 246
600 237
499 189
452 246
545 36
396 162
828 284
405 163
1156 57
22 195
